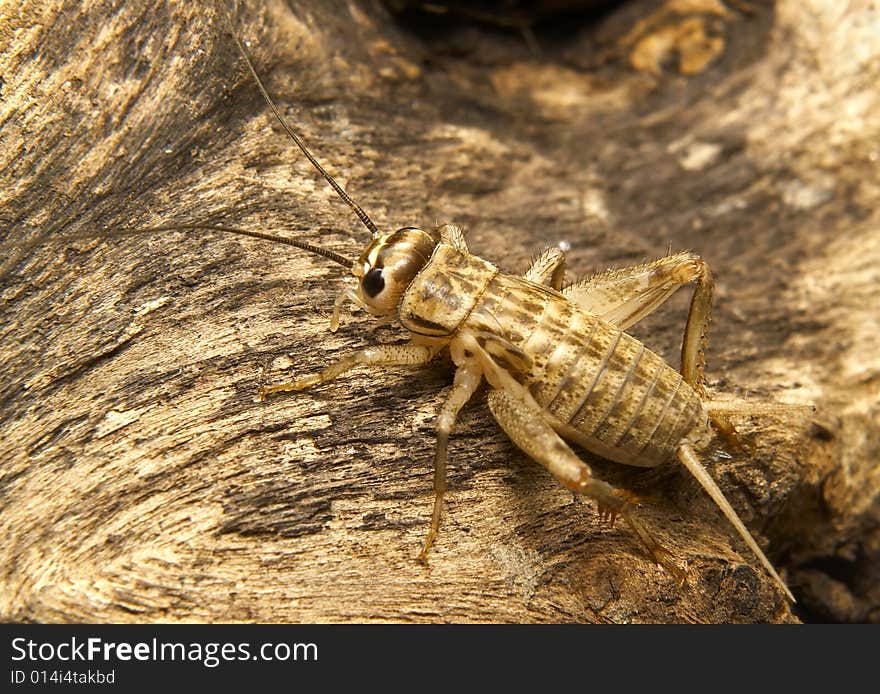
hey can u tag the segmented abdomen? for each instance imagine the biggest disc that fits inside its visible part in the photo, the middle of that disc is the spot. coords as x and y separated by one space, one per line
588 374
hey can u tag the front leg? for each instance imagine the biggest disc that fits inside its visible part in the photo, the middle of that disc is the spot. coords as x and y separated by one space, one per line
387 355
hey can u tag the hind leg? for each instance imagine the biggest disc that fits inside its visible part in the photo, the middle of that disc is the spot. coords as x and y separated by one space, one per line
532 433
695 341
548 268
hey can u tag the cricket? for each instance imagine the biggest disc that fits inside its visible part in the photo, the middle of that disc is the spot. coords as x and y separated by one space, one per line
558 364
557 360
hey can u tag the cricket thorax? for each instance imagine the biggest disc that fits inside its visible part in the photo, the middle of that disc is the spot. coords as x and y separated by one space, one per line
445 292
388 266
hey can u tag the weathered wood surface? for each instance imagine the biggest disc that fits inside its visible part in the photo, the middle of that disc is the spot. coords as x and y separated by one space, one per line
141 479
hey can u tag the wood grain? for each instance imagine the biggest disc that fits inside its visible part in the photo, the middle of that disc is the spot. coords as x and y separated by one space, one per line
143 481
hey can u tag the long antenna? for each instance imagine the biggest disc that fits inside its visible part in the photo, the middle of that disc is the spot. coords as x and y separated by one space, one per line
330 255
335 257
358 210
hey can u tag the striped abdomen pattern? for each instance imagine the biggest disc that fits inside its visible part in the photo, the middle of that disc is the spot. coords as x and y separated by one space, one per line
587 373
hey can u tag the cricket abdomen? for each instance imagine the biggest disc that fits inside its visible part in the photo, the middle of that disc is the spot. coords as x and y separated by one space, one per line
602 388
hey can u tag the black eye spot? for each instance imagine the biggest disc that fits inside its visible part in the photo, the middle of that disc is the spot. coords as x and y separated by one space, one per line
373 283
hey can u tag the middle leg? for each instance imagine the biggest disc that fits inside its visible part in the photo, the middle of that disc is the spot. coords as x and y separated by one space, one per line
467 379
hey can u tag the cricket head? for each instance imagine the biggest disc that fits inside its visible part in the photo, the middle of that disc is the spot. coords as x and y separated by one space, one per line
389 264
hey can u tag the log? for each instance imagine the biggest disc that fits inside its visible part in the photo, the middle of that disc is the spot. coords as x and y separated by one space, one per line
144 481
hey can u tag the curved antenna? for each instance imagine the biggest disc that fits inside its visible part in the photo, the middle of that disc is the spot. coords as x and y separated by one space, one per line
317 250
358 210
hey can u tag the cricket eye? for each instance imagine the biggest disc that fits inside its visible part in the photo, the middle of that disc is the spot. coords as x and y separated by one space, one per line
373 283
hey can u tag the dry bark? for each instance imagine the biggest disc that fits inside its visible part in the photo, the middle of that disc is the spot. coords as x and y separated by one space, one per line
141 478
